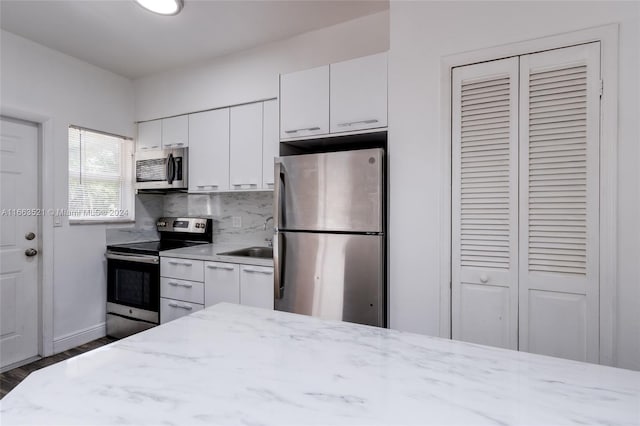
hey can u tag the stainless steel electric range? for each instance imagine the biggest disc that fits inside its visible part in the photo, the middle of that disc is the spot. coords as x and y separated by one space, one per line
133 274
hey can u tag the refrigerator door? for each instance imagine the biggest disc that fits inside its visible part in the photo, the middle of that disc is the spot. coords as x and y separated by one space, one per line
336 191
331 276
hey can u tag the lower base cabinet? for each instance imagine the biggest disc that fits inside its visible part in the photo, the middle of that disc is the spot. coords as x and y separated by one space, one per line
243 284
256 286
223 282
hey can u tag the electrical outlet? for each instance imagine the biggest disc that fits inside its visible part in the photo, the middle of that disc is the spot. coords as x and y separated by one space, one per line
237 221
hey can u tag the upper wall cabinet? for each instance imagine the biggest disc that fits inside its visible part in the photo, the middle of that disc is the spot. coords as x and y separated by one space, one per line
246 146
304 103
359 94
209 151
175 132
270 142
149 135
349 96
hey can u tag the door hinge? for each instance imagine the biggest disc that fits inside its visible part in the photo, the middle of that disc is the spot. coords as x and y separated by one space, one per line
601 87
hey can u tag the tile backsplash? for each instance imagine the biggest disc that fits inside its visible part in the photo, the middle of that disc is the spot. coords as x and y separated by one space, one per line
149 207
246 210
252 209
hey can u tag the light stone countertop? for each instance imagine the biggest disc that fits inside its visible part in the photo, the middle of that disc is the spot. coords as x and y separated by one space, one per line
236 365
209 252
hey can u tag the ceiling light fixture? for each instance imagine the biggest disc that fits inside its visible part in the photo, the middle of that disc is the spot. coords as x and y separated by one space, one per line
162 7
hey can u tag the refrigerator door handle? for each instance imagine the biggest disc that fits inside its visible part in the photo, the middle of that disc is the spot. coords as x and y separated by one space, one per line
278 258
279 183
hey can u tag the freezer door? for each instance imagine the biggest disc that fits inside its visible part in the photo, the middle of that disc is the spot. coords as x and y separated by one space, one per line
331 276
337 191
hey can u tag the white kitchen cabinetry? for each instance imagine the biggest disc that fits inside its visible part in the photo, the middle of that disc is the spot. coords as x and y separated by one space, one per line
189 291
175 132
222 283
209 151
304 103
168 133
182 269
181 287
256 286
234 283
246 146
270 142
149 135
358 95
173 309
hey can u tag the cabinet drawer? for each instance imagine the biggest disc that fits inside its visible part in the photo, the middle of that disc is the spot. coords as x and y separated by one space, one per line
189 291
184 269
222 283
173 309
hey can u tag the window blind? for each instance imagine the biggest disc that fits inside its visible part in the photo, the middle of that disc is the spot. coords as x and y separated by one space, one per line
98 180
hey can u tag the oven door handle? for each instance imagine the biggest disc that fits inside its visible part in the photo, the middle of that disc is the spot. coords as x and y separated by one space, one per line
133 258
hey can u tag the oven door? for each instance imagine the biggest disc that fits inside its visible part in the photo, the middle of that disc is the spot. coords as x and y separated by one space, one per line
166 169
133 286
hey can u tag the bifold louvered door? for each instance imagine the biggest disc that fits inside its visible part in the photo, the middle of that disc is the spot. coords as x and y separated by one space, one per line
559 186
525 202
485 203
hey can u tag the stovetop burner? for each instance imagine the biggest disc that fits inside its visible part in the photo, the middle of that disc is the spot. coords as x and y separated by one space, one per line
152 247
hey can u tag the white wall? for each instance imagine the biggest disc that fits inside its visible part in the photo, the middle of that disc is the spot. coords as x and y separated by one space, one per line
42 81
253 74
421 34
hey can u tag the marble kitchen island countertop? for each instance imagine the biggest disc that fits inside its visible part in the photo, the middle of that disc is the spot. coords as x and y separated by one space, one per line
236 365
209 252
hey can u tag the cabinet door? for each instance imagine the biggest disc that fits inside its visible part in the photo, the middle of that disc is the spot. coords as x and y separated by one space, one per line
359 94
175 132
209 151
304 103
246 146
221 283
256 286
173 309
270 142
149 135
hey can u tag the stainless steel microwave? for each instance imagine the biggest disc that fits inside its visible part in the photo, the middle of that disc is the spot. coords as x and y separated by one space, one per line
163 169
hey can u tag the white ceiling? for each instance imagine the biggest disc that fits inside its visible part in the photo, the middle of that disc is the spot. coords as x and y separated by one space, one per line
120 36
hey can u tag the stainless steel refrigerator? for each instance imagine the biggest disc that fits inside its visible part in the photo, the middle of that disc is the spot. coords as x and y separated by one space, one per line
329 247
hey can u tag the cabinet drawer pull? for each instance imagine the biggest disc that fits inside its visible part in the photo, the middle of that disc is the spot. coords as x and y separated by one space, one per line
173 262
253 185
310 129
207 186
185 285
351 123
258 271
175 305
226 268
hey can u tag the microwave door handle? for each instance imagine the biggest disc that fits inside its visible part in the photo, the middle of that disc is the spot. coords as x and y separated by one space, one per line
171 169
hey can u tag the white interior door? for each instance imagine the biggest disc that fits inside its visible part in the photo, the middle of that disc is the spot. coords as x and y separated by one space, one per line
18 270
485 203
559 202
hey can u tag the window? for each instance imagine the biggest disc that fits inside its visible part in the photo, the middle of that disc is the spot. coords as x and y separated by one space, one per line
100 177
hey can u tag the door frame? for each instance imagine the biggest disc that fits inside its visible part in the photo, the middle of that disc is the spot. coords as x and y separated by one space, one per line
45 125
607 35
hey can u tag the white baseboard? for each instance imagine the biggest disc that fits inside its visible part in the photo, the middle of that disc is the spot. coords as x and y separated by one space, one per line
71 340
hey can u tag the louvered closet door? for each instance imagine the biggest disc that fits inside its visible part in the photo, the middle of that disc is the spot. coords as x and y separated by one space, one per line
559 160
484 203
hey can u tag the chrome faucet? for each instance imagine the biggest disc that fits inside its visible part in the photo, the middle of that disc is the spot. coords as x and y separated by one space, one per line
267 220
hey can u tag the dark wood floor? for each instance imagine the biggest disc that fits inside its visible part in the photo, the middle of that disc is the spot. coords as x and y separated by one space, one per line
12 378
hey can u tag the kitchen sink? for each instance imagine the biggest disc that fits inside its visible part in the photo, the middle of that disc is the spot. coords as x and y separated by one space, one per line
261 252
